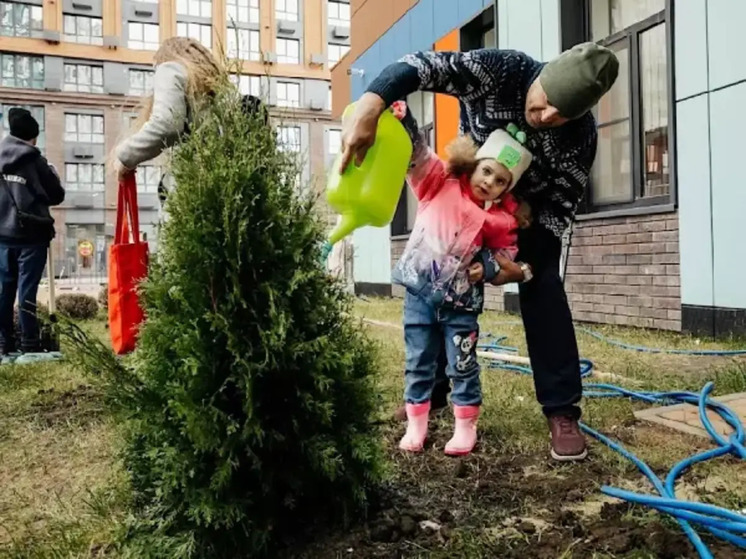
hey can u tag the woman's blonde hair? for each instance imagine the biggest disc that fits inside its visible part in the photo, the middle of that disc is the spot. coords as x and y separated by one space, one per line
204 72
462 156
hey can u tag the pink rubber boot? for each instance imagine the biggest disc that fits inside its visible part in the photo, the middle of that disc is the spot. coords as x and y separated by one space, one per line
417 417
465 434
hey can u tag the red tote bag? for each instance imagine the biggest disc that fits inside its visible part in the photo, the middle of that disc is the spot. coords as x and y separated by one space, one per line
128 265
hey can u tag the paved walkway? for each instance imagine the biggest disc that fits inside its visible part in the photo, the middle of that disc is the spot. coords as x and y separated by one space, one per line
685 417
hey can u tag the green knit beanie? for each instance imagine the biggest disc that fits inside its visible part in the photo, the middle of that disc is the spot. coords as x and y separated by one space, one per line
578 78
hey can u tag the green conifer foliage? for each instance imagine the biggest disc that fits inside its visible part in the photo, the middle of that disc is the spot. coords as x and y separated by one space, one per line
249 401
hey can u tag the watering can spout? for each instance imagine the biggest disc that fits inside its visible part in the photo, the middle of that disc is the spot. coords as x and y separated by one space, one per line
346 225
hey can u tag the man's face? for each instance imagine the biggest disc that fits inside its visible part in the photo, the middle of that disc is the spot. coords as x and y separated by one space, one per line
539 112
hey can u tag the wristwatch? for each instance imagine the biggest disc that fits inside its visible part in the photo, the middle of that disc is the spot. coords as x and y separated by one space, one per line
528 275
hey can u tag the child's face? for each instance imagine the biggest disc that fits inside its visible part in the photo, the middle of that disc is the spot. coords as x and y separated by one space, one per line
489 180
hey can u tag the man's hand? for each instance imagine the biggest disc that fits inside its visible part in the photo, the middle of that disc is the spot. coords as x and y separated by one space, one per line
476 272
359 131
523 215
510 272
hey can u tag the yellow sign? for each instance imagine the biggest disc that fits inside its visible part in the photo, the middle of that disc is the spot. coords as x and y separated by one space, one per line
85 248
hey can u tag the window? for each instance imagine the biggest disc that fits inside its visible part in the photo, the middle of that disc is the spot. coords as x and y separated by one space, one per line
197 31
248 85
84 78
633 166
21 70
84 176
288 51
38 114
338 13
83 29
242 11
422 105
243 43
336 52
286 9
288 94
289 138
84 129
148 177
334 143
143 36
19 20
141 82
196 8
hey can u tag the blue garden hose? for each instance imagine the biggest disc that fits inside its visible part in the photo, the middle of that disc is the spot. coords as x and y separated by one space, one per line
720 522
645 349
641 348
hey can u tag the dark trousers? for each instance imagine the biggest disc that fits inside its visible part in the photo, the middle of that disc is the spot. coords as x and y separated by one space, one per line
21 269
550 335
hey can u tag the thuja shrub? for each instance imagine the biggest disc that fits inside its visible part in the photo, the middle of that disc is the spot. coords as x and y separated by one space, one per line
77 306
249 400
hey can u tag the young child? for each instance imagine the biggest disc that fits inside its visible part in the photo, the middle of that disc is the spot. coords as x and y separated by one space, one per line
464 206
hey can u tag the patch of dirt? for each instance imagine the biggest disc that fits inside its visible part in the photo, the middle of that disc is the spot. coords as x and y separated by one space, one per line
55 407
507 506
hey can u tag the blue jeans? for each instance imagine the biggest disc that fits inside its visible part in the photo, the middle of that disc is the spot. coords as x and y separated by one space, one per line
426 328
21 268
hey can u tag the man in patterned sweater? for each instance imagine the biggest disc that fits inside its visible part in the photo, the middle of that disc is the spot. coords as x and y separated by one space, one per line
551 103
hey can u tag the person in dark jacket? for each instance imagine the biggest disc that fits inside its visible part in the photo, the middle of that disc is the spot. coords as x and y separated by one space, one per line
29 185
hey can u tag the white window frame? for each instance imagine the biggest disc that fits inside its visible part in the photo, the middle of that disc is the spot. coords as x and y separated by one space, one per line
338 50
35 64
194 8
201 32
287 10
141 43
95 83
284 133
71 29
282 53
285 97
335 14
148 178
147 77
97 182
242 11
75 121
248 47
248 84
33 13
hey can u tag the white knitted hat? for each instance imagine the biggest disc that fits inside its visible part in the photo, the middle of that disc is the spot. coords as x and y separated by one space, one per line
508 151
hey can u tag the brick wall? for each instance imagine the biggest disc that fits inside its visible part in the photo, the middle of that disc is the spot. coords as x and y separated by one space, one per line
626 271
493 296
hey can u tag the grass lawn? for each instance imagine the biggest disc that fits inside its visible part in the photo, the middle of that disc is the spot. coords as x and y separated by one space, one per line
64 494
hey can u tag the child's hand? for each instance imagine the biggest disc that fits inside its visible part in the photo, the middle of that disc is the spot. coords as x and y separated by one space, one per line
523 215
476 272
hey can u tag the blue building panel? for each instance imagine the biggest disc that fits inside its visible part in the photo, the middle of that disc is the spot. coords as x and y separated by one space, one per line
468 9
695 212
728 195
445 17
422 26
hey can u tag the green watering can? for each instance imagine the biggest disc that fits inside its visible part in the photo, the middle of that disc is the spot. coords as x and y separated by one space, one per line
369 194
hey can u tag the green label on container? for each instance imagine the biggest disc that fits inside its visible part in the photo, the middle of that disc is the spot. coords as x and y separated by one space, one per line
509 157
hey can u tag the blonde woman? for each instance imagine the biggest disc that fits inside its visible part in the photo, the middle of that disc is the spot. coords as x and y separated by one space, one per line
186 76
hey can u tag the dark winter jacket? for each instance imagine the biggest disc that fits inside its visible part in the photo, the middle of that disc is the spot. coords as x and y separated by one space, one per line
29 185
491 86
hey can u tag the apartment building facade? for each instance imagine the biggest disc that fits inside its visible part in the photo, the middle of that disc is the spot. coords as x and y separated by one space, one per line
82 67
655 243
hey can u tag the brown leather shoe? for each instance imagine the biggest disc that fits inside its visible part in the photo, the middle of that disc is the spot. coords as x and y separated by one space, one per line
568 442
435 408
